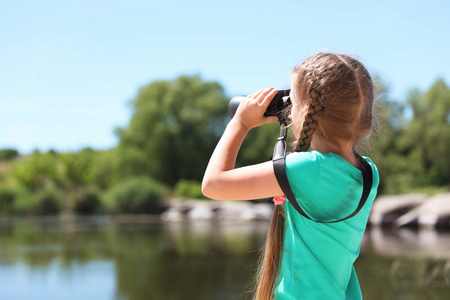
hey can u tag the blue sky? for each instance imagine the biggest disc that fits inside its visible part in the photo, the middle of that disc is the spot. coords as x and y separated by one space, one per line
69 69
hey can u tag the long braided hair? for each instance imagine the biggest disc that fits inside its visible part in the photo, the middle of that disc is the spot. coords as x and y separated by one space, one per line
335 94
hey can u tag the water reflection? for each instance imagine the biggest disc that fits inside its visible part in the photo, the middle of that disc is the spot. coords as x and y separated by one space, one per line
406 242
405 264
103 258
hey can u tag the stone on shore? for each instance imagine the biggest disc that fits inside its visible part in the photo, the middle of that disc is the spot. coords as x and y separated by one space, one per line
191 209
433 212
386 209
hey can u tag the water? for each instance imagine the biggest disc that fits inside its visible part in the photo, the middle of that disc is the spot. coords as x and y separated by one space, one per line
142 258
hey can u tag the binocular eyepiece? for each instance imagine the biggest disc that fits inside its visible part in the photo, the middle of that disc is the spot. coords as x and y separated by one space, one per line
279 103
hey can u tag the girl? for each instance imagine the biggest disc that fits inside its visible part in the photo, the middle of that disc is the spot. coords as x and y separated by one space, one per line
332 97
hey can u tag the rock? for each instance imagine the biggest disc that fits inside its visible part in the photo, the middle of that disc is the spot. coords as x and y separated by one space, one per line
386 209
264 211
232 211
429 213
202 212
171 214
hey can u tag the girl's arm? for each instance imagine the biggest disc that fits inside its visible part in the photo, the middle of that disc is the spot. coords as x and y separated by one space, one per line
221 180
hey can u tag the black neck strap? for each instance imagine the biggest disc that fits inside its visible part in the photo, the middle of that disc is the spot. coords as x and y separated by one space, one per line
278 158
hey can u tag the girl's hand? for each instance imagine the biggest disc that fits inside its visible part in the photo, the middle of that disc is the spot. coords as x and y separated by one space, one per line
250 112
222 180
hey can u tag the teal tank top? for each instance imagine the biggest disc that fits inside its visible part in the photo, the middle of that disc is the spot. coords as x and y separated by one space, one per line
317 259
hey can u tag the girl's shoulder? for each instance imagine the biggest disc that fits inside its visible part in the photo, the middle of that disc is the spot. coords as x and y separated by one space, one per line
303 157
314 158
309 159
307 163
312 162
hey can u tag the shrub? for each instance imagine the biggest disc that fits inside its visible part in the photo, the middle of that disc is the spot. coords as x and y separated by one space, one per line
8 154
106 169
87 201
137 195
189 189
35 172
24 203
77 167
47 202
7 197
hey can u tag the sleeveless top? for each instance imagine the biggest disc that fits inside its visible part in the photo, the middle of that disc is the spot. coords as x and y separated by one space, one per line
317 259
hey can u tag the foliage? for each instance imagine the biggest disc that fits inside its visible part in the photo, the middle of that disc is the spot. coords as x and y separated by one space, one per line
413 154
189 189
174 129
258 144
427 138
87 201
106 170
7 197
77 167
35 171
8 154
48 202
24 202
137 195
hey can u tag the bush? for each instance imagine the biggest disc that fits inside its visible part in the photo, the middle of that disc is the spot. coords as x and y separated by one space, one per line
137 195
189 189
106 169
47 202
87 201
77 168
8 154
7 197
35 172
24 203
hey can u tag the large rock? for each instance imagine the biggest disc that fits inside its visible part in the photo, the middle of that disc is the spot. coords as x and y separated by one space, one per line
386 209
433 212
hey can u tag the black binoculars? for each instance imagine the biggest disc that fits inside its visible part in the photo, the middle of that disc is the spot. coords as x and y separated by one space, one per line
279 103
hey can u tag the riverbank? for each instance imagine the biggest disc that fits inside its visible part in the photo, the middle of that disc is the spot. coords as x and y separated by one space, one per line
408 210
179 209
394 211
412 210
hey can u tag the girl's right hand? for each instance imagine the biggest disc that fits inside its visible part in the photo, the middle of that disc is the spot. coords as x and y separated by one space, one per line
250 112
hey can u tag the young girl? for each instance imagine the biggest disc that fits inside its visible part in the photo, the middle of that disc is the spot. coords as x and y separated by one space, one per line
332 98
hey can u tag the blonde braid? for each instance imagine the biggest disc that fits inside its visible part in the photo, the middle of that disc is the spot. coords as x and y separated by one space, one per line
315 110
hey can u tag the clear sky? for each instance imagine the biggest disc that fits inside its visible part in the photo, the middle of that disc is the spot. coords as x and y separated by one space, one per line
68 69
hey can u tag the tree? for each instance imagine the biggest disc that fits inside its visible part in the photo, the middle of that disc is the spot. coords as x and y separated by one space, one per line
388 125
77 168
258 144
174 129
8 154
427 137
35 172
412 154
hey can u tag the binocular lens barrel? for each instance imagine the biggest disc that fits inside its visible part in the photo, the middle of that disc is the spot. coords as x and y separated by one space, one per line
276 106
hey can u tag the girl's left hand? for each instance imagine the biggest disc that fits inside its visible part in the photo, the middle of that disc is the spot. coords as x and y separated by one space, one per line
250 112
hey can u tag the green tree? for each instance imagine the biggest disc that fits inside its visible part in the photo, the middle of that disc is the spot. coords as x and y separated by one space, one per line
258 144
389 123
8 154
174 129
138 195
36 171
412 153
77 167
427 138
105 168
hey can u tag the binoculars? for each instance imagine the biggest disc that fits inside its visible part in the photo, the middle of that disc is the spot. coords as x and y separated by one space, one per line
279 103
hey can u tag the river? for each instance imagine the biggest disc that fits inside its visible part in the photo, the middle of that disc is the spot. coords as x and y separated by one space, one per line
141 257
